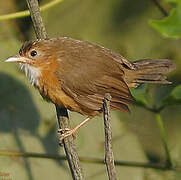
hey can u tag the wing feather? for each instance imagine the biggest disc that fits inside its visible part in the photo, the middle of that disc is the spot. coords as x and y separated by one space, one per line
88 72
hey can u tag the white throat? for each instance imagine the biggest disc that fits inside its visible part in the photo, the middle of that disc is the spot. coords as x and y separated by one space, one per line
33 73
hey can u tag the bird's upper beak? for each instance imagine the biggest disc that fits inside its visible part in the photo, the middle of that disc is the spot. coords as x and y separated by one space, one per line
17 58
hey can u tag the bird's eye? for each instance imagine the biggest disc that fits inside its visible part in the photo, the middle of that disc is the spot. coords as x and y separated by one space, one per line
20 51
33 53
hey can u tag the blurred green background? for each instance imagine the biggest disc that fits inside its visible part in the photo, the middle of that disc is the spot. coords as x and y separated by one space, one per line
28 123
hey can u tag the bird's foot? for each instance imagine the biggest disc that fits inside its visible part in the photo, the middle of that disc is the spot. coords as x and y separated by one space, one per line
66 133
70 132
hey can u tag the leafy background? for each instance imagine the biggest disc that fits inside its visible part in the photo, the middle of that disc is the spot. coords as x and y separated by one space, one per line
135 29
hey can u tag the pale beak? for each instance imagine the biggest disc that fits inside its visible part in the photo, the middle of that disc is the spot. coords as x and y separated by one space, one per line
17 58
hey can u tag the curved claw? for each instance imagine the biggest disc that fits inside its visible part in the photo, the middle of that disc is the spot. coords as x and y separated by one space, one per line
66 133
62 131
71 132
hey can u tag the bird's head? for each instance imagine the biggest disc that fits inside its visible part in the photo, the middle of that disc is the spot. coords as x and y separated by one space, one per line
33 56
34 53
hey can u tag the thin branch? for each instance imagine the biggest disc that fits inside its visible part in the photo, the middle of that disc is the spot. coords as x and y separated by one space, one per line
158 5
70 149
62 114
37 19
158 166
22 14
164 139
109 157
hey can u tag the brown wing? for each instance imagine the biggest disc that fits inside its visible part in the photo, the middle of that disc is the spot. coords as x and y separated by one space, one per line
89 71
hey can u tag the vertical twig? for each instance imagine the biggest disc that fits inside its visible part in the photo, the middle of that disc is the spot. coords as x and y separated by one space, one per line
158 5
37 19
70 150
62 114
109 157
164 140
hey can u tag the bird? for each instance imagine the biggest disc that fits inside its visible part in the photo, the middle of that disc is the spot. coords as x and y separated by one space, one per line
75 75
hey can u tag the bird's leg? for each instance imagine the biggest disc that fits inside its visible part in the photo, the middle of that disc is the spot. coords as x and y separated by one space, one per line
68 132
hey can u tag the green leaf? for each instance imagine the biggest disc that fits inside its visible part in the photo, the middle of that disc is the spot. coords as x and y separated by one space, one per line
174 97
140 95
174 2
169 26
176 92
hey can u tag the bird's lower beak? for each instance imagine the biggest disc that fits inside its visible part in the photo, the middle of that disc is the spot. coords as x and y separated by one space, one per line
17 58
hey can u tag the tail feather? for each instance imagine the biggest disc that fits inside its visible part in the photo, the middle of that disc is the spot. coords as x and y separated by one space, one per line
149 71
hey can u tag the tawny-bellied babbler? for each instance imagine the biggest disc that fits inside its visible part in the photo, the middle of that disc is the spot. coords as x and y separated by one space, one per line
76 74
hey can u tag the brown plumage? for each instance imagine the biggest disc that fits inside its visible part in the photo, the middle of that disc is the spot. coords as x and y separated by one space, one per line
76 74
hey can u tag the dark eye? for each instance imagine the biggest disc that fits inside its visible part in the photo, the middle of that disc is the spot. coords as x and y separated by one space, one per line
20 51
33 53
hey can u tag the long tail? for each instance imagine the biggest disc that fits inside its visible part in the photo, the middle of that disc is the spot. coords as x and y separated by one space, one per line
149 71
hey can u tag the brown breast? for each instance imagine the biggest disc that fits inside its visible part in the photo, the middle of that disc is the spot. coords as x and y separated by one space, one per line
50 89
